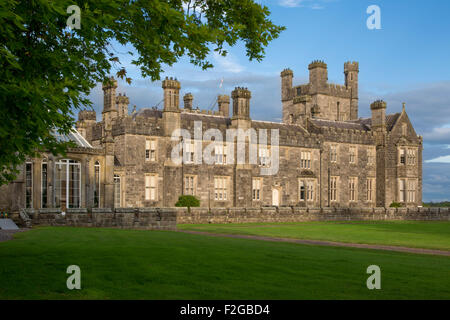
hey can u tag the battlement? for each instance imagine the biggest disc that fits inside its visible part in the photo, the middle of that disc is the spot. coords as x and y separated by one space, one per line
87 115
171 83
317 64
240 92
109 83
351 66
379 104
287 72
122 99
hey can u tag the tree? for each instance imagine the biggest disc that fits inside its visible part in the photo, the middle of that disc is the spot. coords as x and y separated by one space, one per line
47 69
187 201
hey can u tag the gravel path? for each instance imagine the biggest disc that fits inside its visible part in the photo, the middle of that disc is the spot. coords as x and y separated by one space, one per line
327 243
6 235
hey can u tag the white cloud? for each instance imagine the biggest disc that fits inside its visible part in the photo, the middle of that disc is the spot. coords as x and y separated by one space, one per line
438 135
442 159
228 63
290 3
301 3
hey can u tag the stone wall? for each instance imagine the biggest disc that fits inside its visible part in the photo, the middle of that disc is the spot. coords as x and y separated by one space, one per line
297 214
124 218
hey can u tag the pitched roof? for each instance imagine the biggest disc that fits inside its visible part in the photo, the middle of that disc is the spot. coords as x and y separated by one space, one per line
363 124
391 120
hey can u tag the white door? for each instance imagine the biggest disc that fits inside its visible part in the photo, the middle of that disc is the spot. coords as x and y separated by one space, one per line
275 197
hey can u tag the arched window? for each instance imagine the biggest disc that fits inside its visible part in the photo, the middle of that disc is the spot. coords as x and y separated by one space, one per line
44 185
67 184
97 184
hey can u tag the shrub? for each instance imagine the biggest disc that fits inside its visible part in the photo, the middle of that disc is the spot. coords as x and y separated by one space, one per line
187 201
396 205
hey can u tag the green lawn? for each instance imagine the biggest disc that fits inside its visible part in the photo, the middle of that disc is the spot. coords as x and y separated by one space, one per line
418 234
130 264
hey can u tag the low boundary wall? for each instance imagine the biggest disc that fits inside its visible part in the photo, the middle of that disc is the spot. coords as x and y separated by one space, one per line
297 214
125 218
168 218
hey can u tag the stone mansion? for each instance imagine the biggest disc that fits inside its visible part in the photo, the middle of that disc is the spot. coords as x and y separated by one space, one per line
328 156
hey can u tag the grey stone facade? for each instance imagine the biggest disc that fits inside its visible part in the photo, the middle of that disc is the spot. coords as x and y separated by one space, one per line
328 157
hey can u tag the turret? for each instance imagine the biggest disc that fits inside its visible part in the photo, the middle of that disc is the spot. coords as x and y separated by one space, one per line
171 112
351 71
171 94
122 102
224 105
241 103
109 101
188 101
318 74
286 84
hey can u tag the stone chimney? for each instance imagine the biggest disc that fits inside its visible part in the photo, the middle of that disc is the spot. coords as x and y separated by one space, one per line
188 101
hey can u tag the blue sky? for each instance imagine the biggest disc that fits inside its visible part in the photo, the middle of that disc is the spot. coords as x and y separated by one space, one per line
407 60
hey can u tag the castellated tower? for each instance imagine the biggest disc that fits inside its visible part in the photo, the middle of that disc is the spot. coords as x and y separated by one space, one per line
318 75
241 107
241 103
319 99
171 112
109 101
224 105
122 102
351 70
286 84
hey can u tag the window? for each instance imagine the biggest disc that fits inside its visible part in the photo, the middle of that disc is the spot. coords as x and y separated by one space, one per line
352 187
370 187
188 152
117 190
306 189
404 129
411 191
28 185
264 156
220 153
220 188
256 188
338 117
333 188
190 184
411 157
402 190
371 156
353 154
333 153
402 156
151 187
44 189
150 150
97 184
305 160
67 184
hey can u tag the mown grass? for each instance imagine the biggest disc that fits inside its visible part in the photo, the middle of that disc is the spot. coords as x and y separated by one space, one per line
416 234
130 264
